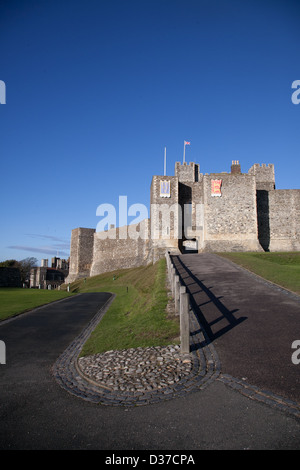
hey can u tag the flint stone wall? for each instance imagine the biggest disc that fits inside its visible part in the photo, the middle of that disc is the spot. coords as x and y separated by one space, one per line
120 248
231 219
284 220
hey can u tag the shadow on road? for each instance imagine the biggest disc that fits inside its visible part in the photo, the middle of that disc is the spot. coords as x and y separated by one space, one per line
208 308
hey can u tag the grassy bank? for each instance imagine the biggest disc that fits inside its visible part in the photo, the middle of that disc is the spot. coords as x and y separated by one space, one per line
137 316
17 300
281 268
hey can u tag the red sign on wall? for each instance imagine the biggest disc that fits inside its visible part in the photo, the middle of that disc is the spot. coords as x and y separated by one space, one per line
216 187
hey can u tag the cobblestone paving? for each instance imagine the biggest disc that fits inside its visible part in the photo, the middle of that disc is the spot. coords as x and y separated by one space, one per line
169 374
140 369
147 375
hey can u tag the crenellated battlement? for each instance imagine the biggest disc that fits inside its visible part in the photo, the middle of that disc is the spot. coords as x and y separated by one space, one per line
187 172
258 166
264 176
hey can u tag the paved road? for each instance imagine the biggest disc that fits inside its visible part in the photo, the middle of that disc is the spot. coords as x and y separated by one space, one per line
251 323
36 413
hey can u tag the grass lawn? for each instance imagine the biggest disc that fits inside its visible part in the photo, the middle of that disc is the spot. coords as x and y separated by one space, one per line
282 268
18 300
137 316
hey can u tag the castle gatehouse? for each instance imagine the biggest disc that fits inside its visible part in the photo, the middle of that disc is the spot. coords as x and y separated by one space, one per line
195 212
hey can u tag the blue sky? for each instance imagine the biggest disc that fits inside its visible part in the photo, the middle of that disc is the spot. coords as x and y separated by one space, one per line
96 89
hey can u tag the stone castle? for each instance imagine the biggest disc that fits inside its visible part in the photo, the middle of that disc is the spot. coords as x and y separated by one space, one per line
195 212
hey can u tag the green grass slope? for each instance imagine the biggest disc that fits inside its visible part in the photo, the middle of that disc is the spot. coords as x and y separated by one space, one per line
282 268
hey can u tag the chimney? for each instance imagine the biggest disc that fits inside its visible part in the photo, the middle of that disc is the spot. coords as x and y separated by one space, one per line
235 167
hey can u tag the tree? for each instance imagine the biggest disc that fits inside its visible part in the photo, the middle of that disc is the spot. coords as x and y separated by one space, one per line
24 266
9 263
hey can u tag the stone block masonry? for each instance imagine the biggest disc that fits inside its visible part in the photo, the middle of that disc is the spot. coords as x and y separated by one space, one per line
81 253
232 211
114 252
231 219
284 220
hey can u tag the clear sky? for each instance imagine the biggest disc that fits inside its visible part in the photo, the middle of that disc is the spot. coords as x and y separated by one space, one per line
96 89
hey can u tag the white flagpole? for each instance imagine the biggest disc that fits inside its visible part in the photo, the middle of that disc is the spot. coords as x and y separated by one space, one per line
165 162
183 151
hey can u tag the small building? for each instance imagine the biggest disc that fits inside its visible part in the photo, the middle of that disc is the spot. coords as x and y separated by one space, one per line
61 264
46 278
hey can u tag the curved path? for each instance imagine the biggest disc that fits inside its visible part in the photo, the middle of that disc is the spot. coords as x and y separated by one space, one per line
37 413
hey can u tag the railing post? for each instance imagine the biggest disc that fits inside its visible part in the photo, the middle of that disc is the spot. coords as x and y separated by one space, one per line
2 352
171 273
184 323
168 260
177 294
182 290
173 280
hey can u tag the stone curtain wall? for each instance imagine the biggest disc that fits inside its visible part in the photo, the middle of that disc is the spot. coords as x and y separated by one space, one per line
231 219
284 220
112 252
